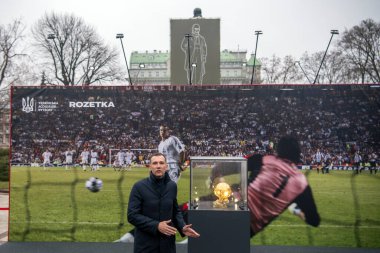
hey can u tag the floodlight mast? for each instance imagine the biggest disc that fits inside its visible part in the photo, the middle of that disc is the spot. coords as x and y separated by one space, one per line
298 62
257 33
121 36
188 36
333 32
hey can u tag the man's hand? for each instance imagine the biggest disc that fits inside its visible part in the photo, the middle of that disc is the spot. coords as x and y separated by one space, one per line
188 231
166 229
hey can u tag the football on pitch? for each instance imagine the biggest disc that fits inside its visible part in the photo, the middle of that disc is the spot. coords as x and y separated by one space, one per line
94 184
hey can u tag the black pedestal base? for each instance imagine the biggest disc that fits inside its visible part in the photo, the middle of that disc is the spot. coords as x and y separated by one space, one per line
221 231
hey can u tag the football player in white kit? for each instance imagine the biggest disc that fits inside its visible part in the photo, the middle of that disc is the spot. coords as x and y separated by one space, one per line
94 160
174 150
69 158
84 155
46 156
121 158
129 156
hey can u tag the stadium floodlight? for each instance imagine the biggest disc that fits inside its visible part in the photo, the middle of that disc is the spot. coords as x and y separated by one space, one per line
188 36
193 66
121 36
303 71
243 71
51 36
333 32
257 33
141 66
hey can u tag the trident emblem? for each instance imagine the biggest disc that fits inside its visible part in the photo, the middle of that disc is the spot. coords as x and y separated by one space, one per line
27 105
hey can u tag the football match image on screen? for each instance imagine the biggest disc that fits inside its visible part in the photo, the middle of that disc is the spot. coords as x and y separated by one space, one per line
76 152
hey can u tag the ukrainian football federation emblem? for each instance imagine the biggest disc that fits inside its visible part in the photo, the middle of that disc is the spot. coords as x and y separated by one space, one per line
27 104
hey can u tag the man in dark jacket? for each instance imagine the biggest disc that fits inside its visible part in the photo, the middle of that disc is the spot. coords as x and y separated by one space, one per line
153 210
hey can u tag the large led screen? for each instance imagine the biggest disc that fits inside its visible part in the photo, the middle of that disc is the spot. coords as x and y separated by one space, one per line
53 128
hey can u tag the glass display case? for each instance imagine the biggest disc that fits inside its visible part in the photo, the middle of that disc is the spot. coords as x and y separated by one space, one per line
218 183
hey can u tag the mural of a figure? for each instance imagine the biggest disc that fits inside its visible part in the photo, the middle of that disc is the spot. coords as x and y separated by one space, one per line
198 55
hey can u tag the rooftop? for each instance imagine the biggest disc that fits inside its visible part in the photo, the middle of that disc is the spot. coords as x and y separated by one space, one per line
163 57
149 57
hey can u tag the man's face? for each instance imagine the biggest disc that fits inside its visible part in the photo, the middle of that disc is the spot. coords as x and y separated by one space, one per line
196 30
158 166
164 132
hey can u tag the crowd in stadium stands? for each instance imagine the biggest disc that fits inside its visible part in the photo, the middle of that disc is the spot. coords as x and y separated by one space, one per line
339 122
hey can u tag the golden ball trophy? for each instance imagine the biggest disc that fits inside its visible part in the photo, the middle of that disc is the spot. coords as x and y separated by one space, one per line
223 192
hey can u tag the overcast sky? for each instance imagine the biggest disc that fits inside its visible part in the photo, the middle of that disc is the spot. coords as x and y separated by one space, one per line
290 27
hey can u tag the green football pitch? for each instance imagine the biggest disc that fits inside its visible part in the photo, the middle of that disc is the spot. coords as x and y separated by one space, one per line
54 205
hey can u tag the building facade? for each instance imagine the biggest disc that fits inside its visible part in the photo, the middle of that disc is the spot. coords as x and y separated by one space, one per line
4 127
150 68
153 68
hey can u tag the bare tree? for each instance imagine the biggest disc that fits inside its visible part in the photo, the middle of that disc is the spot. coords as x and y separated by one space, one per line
361 45
283 71
10 37
290 72
310 64
271 69
334 69
74 50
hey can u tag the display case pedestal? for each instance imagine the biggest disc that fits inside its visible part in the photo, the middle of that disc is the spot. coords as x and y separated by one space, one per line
221 231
